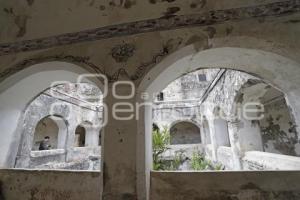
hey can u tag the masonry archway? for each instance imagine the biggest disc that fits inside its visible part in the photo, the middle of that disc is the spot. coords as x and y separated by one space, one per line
53 127
263 64
80 136
184 132
275 131
19 89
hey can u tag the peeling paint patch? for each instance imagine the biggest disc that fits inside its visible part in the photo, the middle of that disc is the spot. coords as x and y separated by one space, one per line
198 4
21 22
128 196
211 31
122 3
171 11
128 4
229 30
172 22
30 2
250 186
102 7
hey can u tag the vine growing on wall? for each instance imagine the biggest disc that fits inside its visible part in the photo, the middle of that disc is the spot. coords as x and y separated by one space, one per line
283 141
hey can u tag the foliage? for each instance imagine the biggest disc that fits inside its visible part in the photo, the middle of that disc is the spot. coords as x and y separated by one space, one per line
283 141
160 142
199 163
174 164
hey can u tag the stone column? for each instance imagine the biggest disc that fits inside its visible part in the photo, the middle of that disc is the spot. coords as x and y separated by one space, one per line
119 148
213 139
235 146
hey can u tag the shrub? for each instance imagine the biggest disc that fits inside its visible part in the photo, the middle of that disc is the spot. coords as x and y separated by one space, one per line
199 163
160 143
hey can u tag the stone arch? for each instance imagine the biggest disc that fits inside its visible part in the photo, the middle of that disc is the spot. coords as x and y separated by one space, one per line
27 141
80 136
57 136
18 89
276 120
266 65
91 133
184 132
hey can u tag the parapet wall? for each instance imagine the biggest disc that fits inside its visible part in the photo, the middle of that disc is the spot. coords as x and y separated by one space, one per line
55 185
252 185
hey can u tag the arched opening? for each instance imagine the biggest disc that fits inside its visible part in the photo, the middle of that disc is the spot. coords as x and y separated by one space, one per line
246 60
221 132
278 127
80 135
45 104
46 128
184 133
50 133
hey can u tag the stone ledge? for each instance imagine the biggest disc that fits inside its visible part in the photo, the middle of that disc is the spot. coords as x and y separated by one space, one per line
37 154
256 160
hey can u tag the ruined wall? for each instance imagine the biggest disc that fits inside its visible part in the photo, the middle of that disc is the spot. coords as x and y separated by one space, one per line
58 185
212 185
164 114
189 86
279 132
67 102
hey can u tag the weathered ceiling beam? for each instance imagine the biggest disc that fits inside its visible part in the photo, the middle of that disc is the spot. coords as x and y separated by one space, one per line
161 24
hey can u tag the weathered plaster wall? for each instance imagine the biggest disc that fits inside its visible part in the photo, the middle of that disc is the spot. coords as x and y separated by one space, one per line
215 186
73 112
27 20
190 86
58 185
244 28
278 128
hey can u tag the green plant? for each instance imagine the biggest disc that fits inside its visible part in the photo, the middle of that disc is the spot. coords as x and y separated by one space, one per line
160 143
199 163
179 158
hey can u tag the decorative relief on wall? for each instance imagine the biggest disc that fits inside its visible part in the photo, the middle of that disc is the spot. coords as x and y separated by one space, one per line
85 61
68 58
121 53
160 24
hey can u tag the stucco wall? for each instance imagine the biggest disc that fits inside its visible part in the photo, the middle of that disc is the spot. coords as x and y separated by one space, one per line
279 129
49 185
225 185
